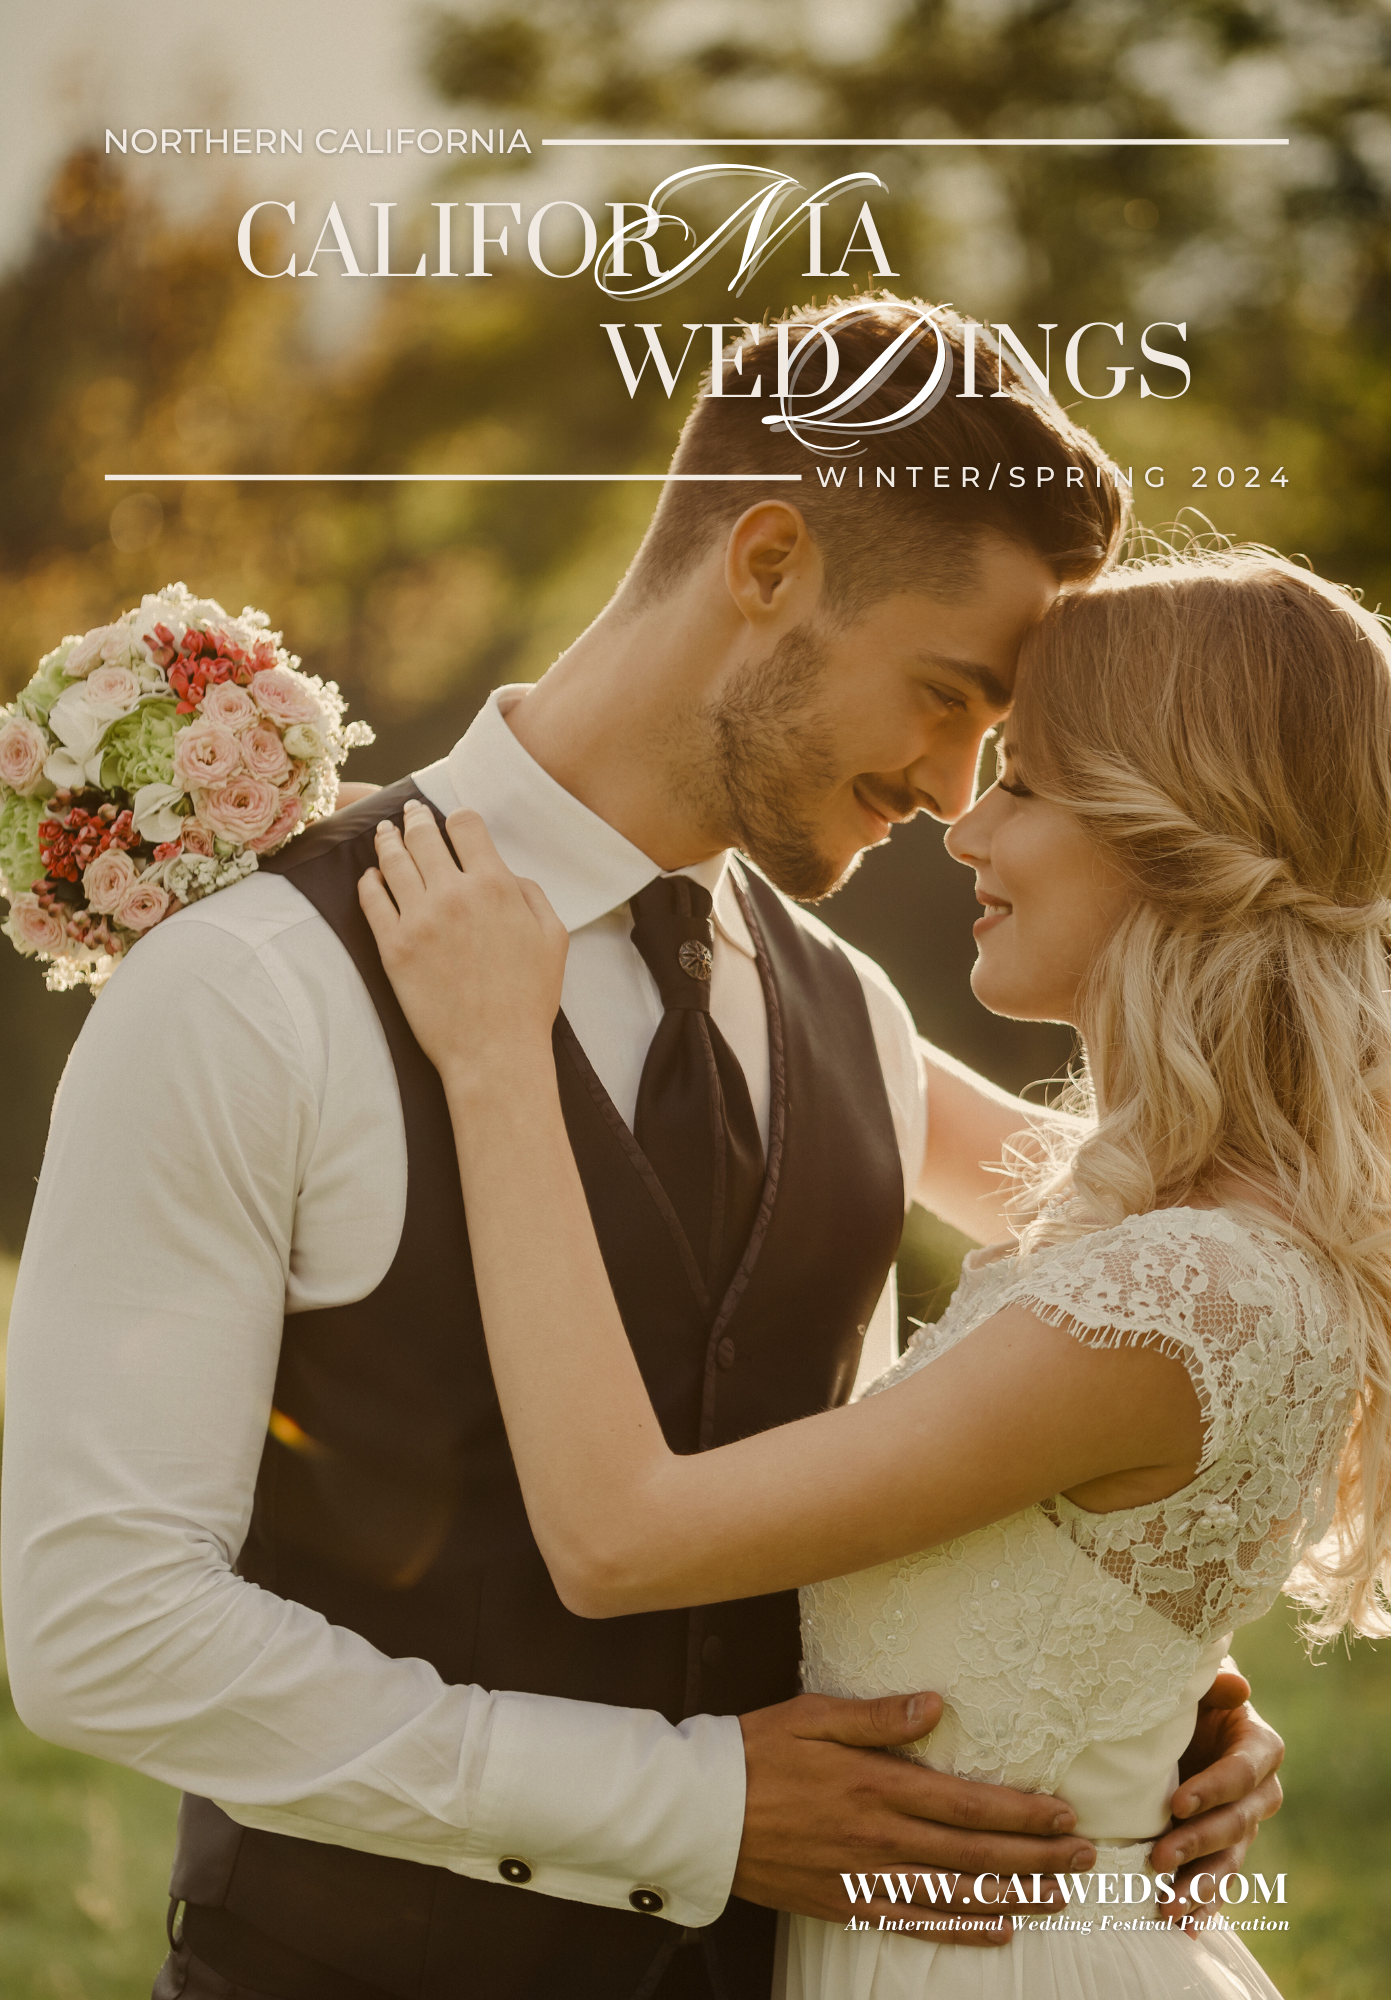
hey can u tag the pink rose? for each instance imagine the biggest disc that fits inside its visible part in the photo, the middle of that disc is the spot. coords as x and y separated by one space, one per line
32 928
230 706
286 697
106 880
240 811
88 650
142 906
281 827
23 748
205 754
264 754
114 690
196 838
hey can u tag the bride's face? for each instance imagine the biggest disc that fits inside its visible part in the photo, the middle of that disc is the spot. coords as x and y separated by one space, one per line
1051 897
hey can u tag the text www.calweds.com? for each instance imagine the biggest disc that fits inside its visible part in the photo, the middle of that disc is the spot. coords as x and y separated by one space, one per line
1099 1886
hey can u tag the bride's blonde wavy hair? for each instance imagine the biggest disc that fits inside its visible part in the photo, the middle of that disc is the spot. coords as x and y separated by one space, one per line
1221 723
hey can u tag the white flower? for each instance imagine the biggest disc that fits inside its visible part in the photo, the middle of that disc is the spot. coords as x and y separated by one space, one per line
303 740
176 608
190 876
77 723
238 631
121 646
87 653
63 770
155 817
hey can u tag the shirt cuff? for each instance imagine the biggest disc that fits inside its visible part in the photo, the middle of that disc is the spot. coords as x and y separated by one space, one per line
603 1805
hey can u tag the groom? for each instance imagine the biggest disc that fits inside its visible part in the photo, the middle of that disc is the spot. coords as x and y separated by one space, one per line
263 1538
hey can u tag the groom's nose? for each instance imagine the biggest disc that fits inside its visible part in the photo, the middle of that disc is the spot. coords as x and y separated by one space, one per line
945 779
968 838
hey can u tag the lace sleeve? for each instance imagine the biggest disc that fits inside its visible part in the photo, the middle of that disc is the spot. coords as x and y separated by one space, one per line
1255 1325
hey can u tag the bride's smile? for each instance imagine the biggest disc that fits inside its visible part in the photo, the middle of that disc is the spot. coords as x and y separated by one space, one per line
1051 896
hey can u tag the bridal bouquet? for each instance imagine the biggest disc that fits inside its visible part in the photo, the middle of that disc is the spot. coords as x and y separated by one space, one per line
146 764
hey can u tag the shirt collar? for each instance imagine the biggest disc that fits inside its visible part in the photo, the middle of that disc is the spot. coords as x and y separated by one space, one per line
584 865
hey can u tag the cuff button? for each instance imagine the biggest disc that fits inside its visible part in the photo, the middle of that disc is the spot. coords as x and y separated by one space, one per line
651 1902
513 1870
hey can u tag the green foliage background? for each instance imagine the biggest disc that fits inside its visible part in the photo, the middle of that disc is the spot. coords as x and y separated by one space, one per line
130 341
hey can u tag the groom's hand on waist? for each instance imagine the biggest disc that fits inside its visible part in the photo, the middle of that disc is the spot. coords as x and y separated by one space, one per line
1229 1786
824 1802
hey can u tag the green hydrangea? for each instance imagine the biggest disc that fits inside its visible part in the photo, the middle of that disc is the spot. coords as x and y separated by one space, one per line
139 749
19 841
48 683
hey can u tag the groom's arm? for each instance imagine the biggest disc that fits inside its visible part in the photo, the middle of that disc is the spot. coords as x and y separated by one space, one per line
143 1351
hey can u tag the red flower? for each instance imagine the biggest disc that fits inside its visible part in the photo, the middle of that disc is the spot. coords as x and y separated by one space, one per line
203 660
68 848
55 851
165 653
210 658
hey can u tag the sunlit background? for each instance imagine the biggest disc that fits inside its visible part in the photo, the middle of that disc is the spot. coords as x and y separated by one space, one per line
131 339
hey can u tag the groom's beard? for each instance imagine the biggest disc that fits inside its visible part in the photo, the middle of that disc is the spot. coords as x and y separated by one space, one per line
774 764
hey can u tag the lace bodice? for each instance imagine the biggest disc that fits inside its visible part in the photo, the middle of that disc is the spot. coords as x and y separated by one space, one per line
1057 1628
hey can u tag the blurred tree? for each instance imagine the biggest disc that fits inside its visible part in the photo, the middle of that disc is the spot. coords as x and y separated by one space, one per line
133 343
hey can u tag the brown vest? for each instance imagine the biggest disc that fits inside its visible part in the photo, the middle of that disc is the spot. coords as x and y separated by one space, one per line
387 1498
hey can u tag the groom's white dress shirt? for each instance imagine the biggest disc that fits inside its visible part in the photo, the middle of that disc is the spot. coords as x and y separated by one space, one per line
228 1146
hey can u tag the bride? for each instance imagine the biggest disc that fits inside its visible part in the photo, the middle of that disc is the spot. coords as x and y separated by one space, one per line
1157 1404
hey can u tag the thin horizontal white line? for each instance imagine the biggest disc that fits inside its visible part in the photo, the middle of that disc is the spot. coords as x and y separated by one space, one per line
878 141
439 478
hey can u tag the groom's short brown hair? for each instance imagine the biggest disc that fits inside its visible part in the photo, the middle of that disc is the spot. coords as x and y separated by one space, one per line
897 531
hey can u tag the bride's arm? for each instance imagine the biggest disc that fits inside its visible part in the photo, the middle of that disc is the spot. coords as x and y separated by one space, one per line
970 1122
1016 1413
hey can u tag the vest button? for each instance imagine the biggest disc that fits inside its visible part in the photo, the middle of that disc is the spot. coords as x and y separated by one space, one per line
513 1870
651 1902
712 1652
726 1352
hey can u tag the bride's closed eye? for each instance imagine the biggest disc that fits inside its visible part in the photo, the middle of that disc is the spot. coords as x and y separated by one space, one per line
1015 789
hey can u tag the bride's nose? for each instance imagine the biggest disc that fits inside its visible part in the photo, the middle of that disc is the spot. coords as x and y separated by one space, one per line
968 839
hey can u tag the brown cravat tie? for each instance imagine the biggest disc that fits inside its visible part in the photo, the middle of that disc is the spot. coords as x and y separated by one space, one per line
695 1120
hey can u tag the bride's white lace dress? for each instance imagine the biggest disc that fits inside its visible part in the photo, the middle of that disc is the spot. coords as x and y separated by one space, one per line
1071 1647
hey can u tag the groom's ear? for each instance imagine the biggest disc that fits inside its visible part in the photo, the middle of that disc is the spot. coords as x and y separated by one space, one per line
772 565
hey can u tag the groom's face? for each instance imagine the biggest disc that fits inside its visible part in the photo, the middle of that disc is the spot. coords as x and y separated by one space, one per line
838 733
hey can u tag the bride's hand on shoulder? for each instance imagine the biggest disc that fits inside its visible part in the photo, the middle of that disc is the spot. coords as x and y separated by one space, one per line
352 793
476 954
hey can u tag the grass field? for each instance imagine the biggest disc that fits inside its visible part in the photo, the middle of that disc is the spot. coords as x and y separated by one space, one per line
84 1847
